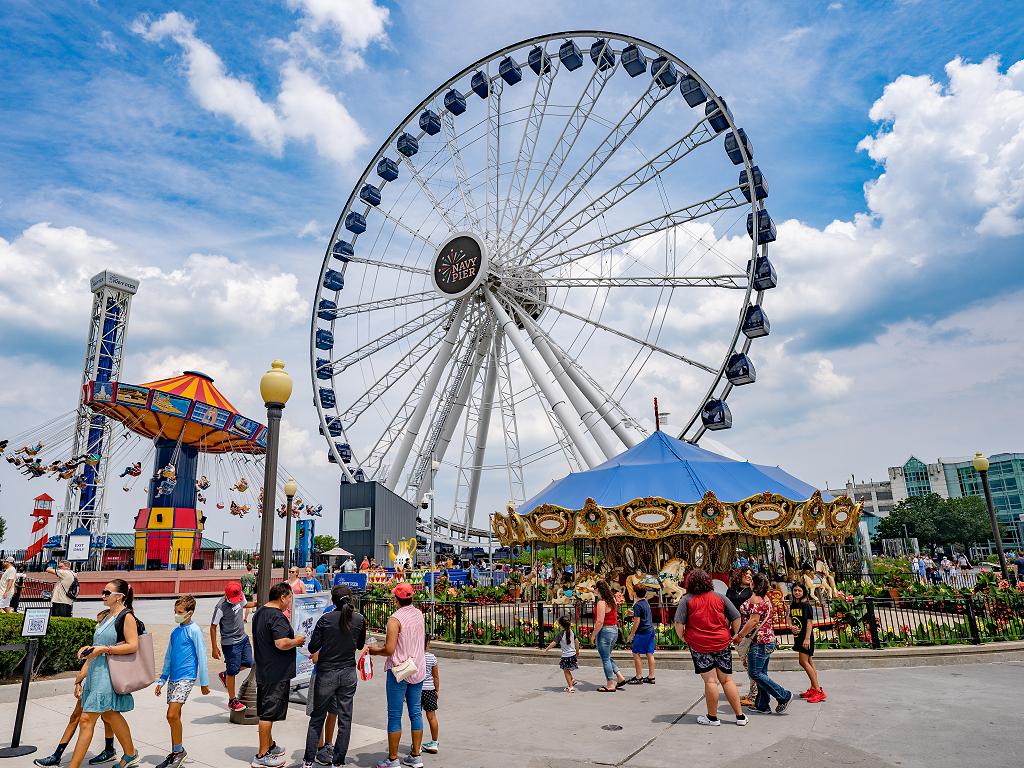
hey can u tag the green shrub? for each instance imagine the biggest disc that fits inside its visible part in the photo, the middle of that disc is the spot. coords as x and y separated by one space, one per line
57 651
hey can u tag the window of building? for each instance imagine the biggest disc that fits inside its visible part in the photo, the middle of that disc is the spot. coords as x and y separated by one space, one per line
916 475
357 519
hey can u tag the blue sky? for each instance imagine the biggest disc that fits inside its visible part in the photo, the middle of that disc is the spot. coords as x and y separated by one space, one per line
104 138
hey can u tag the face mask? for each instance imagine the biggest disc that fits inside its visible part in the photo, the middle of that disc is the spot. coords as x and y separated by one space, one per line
181 618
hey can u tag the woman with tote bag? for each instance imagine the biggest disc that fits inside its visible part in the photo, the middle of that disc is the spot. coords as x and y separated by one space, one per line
99 699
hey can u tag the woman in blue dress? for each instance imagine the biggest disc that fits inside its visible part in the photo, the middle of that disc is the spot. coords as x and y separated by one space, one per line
97 692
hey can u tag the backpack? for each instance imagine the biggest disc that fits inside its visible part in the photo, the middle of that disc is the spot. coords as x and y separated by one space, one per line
72 591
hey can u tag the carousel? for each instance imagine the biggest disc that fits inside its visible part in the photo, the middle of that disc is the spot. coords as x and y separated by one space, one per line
664 506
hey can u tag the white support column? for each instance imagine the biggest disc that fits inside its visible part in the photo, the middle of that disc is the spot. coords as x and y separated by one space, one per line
482 427
588 413
412 429
601 404
465 389
563 412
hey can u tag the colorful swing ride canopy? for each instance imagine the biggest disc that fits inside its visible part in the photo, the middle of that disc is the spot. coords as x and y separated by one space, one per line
665 487
188 408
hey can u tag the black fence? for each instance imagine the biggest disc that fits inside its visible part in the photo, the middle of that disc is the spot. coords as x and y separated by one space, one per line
955 578
853 623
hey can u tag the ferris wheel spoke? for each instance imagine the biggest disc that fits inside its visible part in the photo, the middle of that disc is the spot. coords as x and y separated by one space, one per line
412 428
461 179
564 412
424 186
730 198
492 193
373 306
697 136
509 422
427 321
566 140
528 143
409 360
393 431
735 281
590 167
412 232
388 265
628 336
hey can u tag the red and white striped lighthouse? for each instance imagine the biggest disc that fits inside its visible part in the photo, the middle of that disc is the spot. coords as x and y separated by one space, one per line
41 512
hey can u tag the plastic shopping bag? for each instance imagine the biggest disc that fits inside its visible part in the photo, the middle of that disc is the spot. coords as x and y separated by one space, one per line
365 665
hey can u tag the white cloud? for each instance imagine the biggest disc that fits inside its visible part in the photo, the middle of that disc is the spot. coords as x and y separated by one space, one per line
358 23
305 109
826 382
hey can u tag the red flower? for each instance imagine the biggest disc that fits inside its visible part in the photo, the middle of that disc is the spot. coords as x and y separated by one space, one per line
479 633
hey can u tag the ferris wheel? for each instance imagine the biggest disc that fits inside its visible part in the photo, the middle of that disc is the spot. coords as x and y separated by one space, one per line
561 230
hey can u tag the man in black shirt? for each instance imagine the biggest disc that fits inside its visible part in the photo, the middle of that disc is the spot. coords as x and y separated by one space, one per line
338 635
274 645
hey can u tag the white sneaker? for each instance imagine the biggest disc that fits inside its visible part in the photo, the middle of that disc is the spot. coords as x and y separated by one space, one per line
430 746
268 760
742 720
705 720
388 763
413 761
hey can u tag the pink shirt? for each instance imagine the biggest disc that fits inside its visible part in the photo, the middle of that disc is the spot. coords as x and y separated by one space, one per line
410 642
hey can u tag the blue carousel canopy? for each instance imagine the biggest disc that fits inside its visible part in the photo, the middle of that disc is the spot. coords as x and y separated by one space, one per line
662 466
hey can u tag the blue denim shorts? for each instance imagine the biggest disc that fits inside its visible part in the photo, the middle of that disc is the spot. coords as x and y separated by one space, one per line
237 656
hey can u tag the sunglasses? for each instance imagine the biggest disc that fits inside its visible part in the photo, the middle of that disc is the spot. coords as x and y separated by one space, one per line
108 593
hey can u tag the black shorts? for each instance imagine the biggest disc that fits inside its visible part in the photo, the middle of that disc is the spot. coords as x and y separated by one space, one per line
60 609
272 700
705 662
798 646
428 700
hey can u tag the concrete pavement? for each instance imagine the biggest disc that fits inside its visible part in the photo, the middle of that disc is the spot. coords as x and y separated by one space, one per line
496 714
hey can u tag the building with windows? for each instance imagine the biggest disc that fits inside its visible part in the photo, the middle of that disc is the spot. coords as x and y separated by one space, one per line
875 496
956 477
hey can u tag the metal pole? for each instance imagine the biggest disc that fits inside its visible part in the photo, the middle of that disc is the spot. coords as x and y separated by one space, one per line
433 554
223 539
490 546
17 749
269 488
995 524
288 536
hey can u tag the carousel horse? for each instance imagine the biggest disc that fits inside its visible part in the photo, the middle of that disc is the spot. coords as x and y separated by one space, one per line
586 589
639 577
30 450
811 587
672 573
133 470
241 486
828 581
202 483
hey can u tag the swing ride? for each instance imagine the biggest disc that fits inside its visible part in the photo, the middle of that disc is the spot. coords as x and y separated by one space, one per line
200 448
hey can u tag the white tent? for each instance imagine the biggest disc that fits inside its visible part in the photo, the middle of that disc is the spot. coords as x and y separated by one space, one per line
336 552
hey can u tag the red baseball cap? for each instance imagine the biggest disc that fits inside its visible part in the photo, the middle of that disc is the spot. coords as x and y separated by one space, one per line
233 592
402 590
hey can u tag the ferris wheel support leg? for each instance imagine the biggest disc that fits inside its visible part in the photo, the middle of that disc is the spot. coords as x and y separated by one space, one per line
601 402
451 422
563 412
482 428
444 354
558 365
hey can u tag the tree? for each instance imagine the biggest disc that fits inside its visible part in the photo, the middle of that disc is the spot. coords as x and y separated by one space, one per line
324 543
3 530
935 521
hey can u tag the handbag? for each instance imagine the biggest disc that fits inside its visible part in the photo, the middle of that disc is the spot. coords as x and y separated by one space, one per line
133 671
365 665
405 670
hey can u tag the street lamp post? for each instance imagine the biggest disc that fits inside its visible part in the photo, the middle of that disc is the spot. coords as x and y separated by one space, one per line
290 489
981 467
276 388
223 540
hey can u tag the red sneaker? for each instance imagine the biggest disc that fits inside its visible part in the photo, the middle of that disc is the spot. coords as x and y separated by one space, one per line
806 693
235 705
817 697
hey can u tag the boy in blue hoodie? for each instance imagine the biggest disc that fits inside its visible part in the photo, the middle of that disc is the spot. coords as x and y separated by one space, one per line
184 663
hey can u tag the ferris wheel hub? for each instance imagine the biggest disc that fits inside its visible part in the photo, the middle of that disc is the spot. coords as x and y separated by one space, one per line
460 266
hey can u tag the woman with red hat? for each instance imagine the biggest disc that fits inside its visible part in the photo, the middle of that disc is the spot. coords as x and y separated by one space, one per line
406 669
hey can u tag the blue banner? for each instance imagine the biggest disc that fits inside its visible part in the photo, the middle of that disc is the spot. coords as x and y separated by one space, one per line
354 581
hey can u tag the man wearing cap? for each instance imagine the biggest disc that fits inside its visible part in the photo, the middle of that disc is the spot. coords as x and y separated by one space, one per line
8 579
229 616
64 591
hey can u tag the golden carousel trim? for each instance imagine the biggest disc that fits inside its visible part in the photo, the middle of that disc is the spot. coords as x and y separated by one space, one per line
765 514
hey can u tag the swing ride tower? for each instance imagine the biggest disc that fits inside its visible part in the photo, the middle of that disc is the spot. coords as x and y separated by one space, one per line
108 324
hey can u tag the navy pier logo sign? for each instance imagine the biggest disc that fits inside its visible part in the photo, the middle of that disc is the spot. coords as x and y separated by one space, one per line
459 266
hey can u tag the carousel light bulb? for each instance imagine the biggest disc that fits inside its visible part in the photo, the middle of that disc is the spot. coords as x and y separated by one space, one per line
276 384
291 487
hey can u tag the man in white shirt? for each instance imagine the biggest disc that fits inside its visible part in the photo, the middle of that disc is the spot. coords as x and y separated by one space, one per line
8 579
349 566
62 591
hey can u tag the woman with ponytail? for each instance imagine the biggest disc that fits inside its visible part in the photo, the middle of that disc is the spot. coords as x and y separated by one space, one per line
117 634
337 637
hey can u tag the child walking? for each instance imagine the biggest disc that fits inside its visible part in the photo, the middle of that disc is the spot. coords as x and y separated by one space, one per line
428 699
569 644
184 663
801 611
